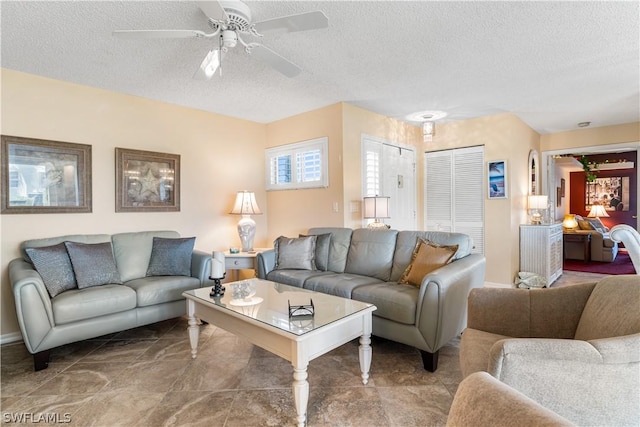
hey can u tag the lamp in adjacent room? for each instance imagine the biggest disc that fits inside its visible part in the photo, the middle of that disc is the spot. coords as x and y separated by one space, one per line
535 204
376 208
597 211
569 222
246 206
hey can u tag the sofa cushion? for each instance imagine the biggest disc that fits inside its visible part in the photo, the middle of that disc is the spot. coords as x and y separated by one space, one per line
612 309
93 264
295 253
160 289
293 277
371 253
80 304
338 246
427 257
393 301
133 251
322 250
171 257
341 285
54 266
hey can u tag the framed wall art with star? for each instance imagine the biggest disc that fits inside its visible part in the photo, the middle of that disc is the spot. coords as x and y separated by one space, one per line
147 181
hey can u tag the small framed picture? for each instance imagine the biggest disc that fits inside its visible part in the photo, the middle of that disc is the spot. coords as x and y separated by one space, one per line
147 181
497 179
41 176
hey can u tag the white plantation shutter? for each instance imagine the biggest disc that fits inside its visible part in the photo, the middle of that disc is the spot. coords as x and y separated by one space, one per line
299 165
454 192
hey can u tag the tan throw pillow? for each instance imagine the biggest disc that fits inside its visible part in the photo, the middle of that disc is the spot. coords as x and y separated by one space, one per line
584 224
427 257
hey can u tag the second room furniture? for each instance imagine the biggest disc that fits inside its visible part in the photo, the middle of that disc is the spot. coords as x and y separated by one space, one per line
541 250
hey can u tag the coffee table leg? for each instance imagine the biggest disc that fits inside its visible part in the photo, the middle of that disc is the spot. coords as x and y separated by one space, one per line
194 330
300 393
365 349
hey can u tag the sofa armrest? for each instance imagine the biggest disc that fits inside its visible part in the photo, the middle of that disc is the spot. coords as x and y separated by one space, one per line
201 265
482 400
33 303
548 313
442 301
574 378
266 263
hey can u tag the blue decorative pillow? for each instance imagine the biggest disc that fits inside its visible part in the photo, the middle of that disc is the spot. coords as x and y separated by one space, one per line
93 264
171 257
54 266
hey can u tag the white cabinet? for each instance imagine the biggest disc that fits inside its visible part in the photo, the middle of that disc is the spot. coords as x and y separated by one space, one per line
541 250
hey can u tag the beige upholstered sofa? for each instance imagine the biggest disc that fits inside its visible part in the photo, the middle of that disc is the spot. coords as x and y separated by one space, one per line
602 247
78 293
367 265
574 350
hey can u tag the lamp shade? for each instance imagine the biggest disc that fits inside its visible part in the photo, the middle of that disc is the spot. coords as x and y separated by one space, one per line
246 204
570 222
597 211
376 207
537 202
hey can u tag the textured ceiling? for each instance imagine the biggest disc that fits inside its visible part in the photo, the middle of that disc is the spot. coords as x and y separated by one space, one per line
553 64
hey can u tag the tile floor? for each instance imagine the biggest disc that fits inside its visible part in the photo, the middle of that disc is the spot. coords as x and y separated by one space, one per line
146 377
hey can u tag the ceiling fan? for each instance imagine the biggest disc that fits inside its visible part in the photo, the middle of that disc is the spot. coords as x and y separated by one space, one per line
229 19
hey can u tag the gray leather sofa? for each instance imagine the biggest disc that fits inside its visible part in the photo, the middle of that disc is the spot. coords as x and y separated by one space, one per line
79 314
366 265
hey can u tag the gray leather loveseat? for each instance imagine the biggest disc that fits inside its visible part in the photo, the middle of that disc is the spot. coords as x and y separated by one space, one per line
144 289
366 265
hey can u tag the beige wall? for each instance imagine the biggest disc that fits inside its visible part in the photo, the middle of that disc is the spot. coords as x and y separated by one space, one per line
589 137
293 211
216 159
504 137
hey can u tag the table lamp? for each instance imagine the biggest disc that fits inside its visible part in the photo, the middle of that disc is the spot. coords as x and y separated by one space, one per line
569 222
597 211
375 208
535 204
246 206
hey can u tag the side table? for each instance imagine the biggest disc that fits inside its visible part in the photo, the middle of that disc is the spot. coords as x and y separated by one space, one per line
242 261
583 239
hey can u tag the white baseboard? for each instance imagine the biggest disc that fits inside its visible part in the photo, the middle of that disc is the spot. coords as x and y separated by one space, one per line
10 338
496 285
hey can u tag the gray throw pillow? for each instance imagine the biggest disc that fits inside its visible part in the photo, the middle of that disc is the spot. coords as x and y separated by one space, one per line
322 250
171 257
93 264
54 266
295 253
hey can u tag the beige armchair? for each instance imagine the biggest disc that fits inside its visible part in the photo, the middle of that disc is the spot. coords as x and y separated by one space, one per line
631 239
575 350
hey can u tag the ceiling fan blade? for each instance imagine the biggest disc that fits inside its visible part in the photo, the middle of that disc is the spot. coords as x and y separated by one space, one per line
287 24
158 34
276 61
209 66
213 10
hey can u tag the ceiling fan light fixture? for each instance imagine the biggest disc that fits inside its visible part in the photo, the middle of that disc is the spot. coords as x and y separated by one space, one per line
426 116
209 65
229 38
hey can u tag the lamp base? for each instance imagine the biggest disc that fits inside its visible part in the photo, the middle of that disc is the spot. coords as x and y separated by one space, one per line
246 231
378 225
536 218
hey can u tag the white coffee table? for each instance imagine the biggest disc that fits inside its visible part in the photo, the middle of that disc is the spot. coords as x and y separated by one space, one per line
257 310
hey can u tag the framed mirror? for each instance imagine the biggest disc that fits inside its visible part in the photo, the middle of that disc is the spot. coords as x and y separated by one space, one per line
534 173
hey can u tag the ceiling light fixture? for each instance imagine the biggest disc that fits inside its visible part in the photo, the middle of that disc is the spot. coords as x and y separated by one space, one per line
424 116
428 129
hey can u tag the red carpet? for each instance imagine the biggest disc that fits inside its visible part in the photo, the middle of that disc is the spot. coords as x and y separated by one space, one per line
621 265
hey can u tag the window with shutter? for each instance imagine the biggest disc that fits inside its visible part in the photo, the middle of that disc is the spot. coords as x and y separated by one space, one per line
300 165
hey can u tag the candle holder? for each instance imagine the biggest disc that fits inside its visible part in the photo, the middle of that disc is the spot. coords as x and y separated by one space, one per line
218 289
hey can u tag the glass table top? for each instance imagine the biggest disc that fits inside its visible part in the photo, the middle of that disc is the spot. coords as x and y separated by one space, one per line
269 302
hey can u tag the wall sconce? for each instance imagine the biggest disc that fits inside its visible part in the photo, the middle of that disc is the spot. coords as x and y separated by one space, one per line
246 206
535 204
375 208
